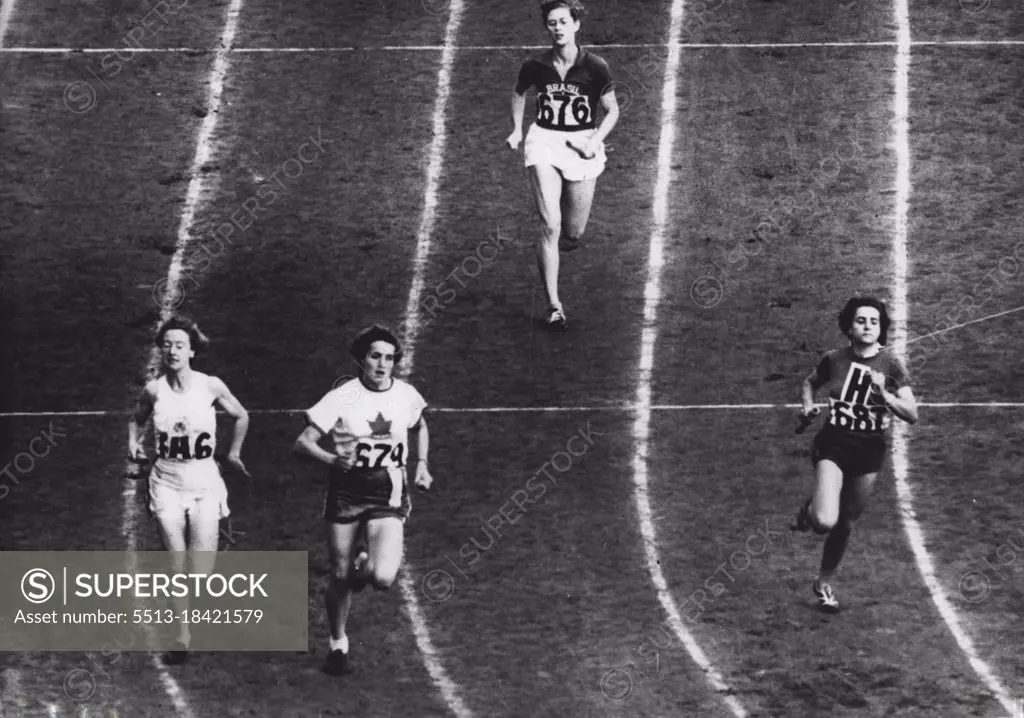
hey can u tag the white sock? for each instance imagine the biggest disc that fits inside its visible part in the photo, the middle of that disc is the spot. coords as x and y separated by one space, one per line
340 644
185 636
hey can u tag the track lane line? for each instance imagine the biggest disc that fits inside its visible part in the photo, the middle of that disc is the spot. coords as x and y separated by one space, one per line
900 445
649 336
196 193
410 329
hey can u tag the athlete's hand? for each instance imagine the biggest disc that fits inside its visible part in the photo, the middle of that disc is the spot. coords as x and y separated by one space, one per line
345 460
236 461
807 417
878 380
423 478
514 139
809 412
587 151
137 453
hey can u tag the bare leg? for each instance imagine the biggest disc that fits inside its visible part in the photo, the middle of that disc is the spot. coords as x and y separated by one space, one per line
825 505
577 201
547 193
173 525
340 538
854 499
385 537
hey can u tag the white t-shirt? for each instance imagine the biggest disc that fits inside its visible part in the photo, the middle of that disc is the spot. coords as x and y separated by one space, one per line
185 432
374 423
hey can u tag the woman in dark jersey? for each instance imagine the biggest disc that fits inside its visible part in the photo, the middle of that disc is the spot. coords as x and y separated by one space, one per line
866 384
564 149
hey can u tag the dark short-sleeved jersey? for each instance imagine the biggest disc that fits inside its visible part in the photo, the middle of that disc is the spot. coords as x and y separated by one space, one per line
569 105
854 404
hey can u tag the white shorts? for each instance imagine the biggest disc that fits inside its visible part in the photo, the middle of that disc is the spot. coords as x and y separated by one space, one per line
195 505
547 147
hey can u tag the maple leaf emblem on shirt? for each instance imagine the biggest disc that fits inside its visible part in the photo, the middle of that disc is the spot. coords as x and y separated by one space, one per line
380 427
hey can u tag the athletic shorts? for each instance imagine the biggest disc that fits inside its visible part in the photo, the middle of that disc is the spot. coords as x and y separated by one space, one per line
195 505
854 454
358 496
547 147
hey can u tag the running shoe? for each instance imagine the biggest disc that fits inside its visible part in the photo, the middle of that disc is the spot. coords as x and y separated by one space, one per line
827 600
337 663
803 518
556 320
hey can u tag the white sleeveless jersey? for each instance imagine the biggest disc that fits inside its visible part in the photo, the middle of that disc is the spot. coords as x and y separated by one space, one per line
374 424
185 431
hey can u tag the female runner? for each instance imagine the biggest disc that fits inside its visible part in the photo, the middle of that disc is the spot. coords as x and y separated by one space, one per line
865 384
187 494
564 149
369 420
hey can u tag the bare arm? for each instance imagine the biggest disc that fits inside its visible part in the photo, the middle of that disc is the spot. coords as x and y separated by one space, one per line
308 447
808 390
137 424
422 479
902 403
235 410
611 105
518 107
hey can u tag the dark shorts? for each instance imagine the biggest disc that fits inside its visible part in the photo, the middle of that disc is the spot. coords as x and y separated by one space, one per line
359 496
855 454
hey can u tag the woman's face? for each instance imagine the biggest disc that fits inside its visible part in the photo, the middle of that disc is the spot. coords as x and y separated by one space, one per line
867 325
177 349
562 27
379 363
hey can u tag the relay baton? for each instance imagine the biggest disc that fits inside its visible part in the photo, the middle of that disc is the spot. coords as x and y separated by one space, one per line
807 420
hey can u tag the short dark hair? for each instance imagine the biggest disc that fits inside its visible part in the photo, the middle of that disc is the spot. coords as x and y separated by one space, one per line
374 333
576 9
196 338
850 310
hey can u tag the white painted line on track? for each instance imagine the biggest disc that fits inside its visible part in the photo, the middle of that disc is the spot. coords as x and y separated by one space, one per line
478 48
410 329
550 409
915 535
6 12
642 422
10 690
197 190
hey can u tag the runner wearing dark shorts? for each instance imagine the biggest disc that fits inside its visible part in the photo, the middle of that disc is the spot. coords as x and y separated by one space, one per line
866 385
368 421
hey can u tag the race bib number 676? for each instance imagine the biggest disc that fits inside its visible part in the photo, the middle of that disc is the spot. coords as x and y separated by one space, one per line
563 109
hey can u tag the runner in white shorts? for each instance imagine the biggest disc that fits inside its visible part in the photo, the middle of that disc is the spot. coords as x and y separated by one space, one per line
564 148
187 495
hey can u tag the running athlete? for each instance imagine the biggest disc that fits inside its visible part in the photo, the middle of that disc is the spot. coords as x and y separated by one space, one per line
369 420
564 148
187 494
866 384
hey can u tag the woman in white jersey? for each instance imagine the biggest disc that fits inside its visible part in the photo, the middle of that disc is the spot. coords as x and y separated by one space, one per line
187 495
369 421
